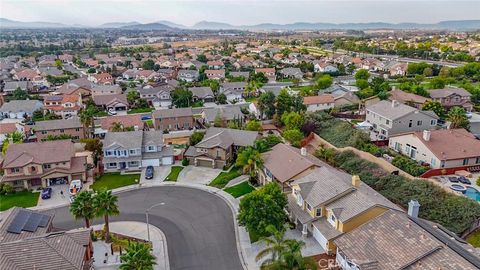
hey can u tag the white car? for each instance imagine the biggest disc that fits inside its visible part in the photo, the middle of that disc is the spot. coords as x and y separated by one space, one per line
75 187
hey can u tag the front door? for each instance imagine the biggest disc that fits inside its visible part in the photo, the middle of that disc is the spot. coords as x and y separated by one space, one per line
123 165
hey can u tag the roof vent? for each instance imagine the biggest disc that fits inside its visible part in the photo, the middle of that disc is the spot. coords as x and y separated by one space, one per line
303 151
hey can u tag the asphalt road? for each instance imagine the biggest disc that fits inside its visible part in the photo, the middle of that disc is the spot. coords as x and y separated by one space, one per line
198 225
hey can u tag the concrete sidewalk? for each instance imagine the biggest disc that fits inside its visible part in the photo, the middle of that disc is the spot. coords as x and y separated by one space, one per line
240 179
136 230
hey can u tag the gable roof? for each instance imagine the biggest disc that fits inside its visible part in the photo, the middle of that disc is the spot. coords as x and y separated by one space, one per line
73 122
107 99
127 140
16 106
404 97
129 120
445 92
385 109
320 99
225 137
176 112
19 155
201 92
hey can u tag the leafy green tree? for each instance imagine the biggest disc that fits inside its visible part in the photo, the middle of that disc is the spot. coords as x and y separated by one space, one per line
218 121
437 83
284 102
19 94
249 159
297 104
266 104
202 58
362 84
275 245
95 146
149 64
196 137
132 97
434 106
263 207
222 99
106 204
15 137
362 74
182 98
324 81
266 143
458 117
91 70
137 256
292 120
253 125
83 207
294 136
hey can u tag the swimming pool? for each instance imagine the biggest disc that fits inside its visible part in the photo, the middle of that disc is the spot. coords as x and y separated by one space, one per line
472 193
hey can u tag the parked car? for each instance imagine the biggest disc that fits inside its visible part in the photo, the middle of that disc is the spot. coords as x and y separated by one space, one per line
149 172
75 187
453 179
46 193
464 180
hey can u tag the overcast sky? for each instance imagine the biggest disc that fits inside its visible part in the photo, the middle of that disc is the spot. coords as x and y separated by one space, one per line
95 12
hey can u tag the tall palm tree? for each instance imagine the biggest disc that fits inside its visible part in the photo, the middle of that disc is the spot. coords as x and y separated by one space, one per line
458 117
249 159
292 257
83 207
137 257
106 205
275 246
116 127
86 118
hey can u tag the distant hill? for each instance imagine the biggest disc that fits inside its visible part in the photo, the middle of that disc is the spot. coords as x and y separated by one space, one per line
149 26
213 26
117 24
6 23
172 24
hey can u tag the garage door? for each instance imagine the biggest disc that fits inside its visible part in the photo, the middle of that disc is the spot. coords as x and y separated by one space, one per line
150 162
319 237
167 160
204 163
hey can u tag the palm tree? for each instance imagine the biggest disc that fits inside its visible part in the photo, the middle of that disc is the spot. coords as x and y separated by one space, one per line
249 159
137 257
86 118
116 127
293 259
106 205
15 137
276 245
458 117
83 207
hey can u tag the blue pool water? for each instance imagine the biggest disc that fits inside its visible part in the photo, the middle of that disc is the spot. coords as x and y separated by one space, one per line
473 193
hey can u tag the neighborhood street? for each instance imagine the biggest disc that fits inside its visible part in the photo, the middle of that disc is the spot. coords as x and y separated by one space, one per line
198 225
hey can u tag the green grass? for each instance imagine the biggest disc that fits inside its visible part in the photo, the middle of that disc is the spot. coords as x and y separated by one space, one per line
240 189
224 177
101 114
149 123
197 104
474 239
173 175
114 180
20 199
140 110
250 99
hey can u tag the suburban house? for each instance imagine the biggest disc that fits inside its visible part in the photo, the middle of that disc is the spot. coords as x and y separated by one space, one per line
133 150
396 240
101 78
409 99
215 64
294 73
72 127
173 119
204 94
274 167
128 121
81 87
219 147
475 124
319 103
233 90
41 164
215 74
187 75
11 86
63 105
238 74
345 99
98 90
398 69
112 103
29 241
450 97
18 109
227 113
327 203
268 72
324 67
157 96
443 148
7 128
391 118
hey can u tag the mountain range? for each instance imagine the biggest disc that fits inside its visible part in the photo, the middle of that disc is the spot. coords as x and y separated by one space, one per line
211 25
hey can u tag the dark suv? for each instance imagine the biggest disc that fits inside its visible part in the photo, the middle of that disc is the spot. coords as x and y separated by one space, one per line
149 172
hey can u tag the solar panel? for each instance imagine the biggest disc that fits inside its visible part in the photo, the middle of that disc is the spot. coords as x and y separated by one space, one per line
44 221
32 223
18 222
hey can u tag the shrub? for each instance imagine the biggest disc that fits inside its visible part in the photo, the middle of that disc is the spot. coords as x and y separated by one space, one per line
6 189
185 162
478 181
409 166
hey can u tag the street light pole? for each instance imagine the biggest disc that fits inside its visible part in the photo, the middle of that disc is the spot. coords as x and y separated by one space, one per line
146 215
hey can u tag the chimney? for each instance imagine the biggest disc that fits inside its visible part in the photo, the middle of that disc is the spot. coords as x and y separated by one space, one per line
413 208
303 151
426 135
356 181
394 103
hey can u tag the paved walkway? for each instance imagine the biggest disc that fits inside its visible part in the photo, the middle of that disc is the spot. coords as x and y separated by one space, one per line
132 229
237 180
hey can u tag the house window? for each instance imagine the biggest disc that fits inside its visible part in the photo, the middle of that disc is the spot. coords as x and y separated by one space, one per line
112 165
419 122
15 170
433 122
47 166
133 163
17 182
332 220
151 148
309 207
477 160
133 152
44 132
318 212
433 162
77 129
62 130
108 153
387 121
410 123
397 146
465 161
33 168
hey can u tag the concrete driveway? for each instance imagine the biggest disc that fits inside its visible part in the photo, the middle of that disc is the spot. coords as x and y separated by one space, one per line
197 175
57 198
159 174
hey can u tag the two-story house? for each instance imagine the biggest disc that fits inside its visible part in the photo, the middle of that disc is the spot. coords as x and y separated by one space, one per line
72 127
105 124
173 119
451 97
391 118
319 103
112 102
157 96
41 164
63 105
219 147
215 74
203 94
187 75
133 150
233 91
409 99
284 163
18 109
327 203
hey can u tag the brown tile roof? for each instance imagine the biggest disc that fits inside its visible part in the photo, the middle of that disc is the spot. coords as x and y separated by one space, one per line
127 121
177 112
445 92
19 155
394 241
404 97
321 99
6 219
285 162
7 128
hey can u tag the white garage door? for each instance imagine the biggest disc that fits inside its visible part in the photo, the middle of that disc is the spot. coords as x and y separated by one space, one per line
167 161
319 237
150 162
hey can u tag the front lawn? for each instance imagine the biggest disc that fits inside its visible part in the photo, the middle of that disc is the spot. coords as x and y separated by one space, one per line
224 177
20 199
173 175
114 180
240 189
474 239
